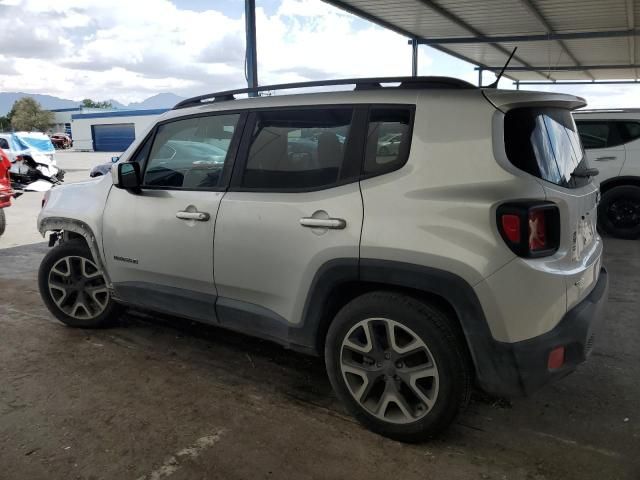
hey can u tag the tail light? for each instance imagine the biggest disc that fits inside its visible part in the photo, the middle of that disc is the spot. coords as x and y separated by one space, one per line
530 229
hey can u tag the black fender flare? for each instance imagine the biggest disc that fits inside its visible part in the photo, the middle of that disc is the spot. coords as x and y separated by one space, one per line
494 364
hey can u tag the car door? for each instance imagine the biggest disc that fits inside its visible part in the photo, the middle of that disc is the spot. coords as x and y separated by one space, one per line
158 242
604 146
294 204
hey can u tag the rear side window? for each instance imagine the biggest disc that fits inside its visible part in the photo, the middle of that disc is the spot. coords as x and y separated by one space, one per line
545 143
388 140
594 134
190 153
297 149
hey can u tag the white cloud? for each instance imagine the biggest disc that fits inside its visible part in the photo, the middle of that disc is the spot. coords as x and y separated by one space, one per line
129 50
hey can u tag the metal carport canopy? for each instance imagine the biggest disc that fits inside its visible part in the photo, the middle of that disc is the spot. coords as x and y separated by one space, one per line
563 40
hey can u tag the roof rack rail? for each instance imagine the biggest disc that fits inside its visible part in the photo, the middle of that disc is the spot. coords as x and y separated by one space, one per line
360 84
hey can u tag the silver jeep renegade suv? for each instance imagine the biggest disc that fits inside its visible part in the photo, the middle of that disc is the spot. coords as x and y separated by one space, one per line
423 238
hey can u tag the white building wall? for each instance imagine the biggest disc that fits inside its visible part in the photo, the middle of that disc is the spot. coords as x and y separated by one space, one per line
81 127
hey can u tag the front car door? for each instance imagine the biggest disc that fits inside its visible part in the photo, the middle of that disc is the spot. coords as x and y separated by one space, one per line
294 204
158 242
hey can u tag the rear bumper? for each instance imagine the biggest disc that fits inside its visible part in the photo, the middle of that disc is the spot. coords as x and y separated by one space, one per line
520 368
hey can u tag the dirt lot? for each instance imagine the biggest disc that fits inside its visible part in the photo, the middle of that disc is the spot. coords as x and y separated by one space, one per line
161 398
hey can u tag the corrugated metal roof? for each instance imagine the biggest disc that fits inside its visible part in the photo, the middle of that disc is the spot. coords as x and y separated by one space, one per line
608 33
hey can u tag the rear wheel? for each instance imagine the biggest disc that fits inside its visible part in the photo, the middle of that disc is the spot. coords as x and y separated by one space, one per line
3 221
619 212
73 288
397 365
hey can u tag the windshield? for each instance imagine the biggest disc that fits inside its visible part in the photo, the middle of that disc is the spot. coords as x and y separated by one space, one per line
545 142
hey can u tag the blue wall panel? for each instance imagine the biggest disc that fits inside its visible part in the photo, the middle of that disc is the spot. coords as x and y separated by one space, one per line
112 137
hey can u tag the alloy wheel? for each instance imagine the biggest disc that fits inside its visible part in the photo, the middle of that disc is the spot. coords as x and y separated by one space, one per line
78 288
389 370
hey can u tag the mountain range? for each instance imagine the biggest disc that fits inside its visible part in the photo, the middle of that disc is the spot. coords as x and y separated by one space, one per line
161 100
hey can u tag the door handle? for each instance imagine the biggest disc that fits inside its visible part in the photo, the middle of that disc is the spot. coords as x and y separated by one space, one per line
198 216
604 159
333 223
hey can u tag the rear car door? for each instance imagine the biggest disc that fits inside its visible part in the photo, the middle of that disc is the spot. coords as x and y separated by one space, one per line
293 206
158 242
604 146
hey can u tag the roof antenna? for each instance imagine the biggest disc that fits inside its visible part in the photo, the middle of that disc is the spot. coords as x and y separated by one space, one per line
495 84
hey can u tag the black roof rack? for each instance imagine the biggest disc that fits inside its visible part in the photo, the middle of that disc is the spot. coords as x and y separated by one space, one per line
360 83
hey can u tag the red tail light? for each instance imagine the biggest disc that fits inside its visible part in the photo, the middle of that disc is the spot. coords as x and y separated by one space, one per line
530 229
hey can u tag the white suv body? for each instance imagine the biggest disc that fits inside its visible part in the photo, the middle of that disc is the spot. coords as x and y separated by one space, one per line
414 272
611 139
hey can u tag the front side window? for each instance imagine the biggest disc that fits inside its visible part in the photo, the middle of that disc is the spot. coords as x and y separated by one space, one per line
4 144
190 153
545 143
388 139
297 149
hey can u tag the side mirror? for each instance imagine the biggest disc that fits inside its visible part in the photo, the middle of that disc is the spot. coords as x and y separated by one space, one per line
128 176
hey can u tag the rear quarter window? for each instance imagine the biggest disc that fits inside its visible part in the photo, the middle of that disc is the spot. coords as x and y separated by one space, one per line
545 143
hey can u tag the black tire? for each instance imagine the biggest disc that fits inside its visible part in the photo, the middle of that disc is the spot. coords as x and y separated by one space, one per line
3 221
75 248
619 212
447 350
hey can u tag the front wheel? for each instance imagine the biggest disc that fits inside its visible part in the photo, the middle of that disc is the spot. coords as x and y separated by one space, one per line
619 212
3 221
397 365
74 289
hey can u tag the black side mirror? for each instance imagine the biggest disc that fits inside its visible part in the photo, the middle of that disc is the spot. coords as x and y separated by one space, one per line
129 176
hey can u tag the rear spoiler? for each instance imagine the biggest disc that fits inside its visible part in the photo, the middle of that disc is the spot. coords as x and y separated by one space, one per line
505 100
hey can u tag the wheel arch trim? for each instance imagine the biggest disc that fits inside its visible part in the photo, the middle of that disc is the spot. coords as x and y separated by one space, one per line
619 181
78 227
493 365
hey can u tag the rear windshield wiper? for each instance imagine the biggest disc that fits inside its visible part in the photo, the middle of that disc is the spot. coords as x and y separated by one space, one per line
586 172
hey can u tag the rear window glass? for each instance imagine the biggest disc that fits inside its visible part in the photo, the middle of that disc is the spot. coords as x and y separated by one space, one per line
545 142
388 139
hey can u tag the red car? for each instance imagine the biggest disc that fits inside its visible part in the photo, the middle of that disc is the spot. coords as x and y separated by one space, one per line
5 188
61 140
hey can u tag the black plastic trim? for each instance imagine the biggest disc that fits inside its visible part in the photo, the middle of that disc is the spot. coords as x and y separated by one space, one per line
575 332
170 300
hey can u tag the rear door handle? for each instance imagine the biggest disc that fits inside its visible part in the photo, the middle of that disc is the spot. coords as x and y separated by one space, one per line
604 159
333 223
198 216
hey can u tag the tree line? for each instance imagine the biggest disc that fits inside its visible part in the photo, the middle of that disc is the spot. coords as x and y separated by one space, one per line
28 115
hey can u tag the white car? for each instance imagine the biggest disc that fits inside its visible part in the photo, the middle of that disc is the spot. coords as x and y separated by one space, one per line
469 257
612 141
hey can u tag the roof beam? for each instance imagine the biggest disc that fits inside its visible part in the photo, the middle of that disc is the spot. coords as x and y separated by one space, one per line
400 31
632 40
545 23
461 23
583 82
563 68
631 32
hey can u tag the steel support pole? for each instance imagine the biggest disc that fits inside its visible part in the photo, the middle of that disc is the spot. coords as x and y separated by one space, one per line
251 58
517 84
480 70
414 57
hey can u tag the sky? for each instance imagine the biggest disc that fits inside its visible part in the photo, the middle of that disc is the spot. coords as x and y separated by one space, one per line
128 50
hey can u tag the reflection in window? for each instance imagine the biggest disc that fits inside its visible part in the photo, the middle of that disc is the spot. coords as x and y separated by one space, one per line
190 153
297 149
